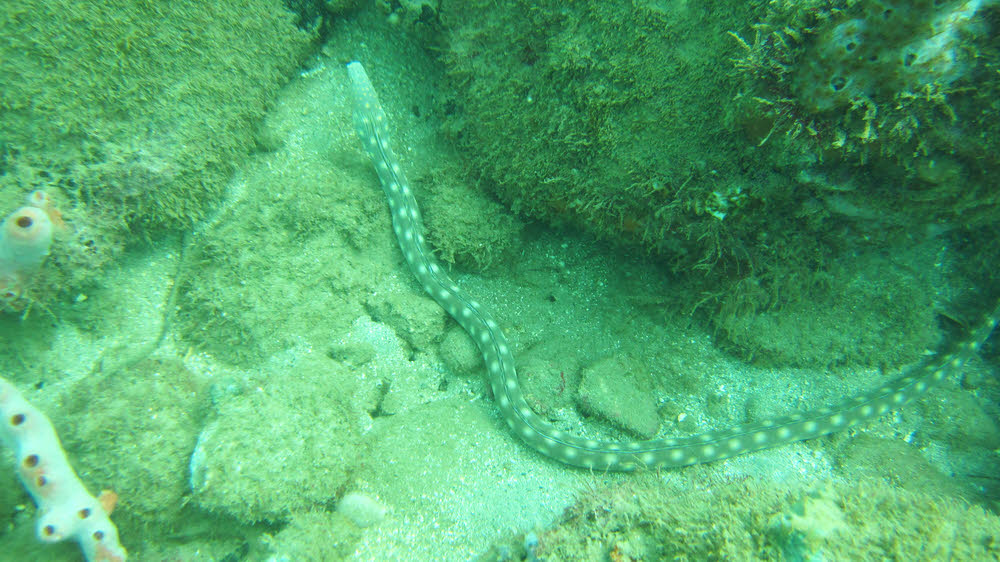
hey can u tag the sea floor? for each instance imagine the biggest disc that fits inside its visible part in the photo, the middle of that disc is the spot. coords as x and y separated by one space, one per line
275 385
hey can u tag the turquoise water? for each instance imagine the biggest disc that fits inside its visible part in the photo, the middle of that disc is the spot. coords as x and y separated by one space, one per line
270 382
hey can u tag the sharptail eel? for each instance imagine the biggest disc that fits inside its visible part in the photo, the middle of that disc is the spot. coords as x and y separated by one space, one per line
372 129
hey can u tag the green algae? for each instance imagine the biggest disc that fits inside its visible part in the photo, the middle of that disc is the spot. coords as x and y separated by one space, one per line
304 443
237 298
653 127
643 519
590 126
133 114
155 408
306 248
147 106
236 295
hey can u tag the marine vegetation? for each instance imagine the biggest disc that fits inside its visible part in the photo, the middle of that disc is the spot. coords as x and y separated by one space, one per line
776 166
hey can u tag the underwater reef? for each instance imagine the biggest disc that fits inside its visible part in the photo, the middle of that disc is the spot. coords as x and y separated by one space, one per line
735 519
777 155
214 311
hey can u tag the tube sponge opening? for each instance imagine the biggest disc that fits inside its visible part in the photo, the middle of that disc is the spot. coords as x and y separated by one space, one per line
25 239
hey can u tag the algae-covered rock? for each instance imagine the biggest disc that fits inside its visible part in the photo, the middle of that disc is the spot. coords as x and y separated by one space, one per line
282 444
464 225
285 262
748 519
634 123
154 409
141 110
132 115
612 390
601 116
900 88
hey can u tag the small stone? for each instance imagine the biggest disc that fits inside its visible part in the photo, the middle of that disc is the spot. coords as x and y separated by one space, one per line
620 395
361 509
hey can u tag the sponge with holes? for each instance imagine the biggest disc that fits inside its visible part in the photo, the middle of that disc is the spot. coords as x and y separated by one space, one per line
25 239
65 509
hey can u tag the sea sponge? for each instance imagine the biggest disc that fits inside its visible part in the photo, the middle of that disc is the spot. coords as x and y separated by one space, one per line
25 239
891 47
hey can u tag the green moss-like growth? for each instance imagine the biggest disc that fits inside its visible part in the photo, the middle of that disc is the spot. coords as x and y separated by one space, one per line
154 408
633 124
132 115
904 87
242 287
749 520
281 444
601 117
885 319
463 225
147 107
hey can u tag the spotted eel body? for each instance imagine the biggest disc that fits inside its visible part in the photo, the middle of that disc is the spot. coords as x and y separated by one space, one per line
372 129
